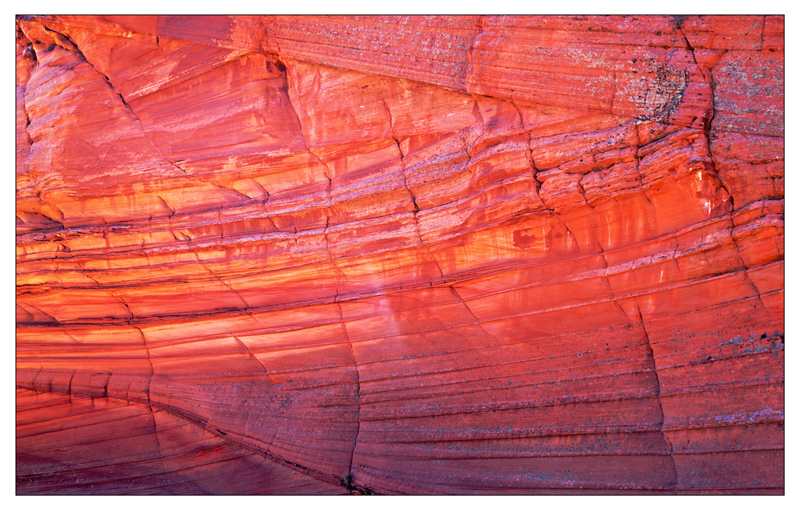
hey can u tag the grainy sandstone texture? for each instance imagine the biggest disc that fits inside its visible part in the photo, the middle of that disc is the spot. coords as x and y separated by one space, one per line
400 254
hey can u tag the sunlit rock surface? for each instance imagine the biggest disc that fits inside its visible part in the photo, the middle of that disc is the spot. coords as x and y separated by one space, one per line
324 255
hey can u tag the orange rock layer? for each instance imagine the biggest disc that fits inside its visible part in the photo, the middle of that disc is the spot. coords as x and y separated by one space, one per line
400 254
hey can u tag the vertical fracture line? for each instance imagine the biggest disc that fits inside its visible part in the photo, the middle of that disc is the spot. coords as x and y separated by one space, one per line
652 359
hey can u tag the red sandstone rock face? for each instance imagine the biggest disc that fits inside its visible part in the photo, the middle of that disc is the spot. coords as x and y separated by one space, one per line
400 254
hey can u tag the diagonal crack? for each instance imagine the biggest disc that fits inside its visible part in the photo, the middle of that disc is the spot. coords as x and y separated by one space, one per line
745 268
107 289
477 321
638 157
215 275
411 193
677 21
328 175
26 305
713 168
535 175
149 399
349 478
652 359
68 44
333 260
250 353
287 89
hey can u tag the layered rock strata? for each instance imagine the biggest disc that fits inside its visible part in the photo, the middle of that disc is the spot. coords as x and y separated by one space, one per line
514 255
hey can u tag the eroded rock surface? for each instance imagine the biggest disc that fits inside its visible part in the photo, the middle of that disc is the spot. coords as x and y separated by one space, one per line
400 254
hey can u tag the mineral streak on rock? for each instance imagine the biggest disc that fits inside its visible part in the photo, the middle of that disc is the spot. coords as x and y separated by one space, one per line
515 255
